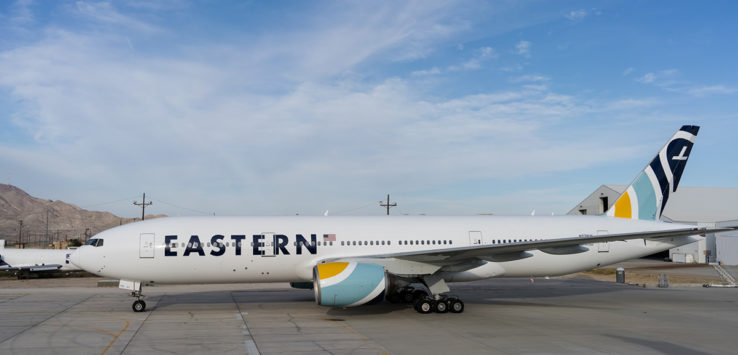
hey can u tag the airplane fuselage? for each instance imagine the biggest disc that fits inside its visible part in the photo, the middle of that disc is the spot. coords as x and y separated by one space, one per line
278 249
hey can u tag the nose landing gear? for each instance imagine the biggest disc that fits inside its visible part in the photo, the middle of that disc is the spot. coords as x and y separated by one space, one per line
135 286
139 306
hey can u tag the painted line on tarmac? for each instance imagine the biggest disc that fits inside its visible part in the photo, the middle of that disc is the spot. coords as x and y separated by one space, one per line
249 343
115 336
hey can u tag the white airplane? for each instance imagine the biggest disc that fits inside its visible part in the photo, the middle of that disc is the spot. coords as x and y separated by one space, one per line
35 260
350 261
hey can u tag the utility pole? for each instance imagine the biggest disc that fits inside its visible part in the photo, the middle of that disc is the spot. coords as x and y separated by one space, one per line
47 227
20 233
388 204
143 205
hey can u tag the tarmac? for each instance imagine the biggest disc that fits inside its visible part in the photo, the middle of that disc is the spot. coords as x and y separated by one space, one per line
502 316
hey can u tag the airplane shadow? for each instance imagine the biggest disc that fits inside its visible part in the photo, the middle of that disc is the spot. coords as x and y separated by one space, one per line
503 292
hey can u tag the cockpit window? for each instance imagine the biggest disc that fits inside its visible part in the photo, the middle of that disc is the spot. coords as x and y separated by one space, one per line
95 242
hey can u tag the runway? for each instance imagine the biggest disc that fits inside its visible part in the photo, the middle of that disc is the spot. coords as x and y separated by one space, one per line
502 316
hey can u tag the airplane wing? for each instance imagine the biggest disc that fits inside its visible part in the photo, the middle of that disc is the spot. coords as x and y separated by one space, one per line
471 255
47 267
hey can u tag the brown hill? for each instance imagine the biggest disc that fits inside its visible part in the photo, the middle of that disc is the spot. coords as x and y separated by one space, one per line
66 221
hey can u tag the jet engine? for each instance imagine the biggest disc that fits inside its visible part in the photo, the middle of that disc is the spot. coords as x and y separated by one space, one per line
348 284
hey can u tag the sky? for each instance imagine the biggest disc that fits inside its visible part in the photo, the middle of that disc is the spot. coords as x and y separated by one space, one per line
302 107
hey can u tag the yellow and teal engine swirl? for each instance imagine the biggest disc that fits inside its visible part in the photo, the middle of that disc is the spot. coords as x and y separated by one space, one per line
348 284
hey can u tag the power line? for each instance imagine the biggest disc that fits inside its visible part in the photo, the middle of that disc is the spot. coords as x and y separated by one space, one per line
184 208
109 203
353 209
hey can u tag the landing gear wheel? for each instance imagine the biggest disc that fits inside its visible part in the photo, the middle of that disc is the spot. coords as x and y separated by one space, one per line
455 305
425 305
441 306
139 306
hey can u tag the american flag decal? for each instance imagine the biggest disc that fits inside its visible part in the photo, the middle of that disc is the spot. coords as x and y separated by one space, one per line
329 237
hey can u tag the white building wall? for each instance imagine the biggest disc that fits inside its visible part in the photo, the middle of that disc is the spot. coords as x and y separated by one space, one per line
727 249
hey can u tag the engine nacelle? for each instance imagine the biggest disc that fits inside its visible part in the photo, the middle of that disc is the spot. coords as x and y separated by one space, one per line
348 284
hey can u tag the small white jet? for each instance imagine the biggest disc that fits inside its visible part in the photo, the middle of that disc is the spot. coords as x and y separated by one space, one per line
35 260
350 261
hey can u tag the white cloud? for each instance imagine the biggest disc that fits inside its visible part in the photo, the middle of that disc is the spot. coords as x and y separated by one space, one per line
647 78
523 48
104 12
711 90
276 118
669 81
529 78
481 55
576 15
628 71
106 119
431 71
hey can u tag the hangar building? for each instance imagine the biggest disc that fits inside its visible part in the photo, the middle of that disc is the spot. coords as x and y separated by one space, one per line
702 206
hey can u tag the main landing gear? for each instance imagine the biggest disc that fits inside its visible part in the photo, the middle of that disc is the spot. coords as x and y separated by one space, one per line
424 303
444 304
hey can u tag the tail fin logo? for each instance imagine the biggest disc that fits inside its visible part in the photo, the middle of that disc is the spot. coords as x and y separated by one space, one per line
646 197
681 155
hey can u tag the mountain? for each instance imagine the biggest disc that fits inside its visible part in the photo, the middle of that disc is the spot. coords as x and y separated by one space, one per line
66 221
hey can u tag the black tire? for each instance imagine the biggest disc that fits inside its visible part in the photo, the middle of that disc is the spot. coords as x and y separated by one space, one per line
441 307
455 305
424 305
139 306
407 296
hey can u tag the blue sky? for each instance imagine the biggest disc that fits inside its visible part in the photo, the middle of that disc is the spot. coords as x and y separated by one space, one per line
277 108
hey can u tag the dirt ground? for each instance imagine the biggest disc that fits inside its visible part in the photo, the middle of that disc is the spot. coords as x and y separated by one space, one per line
646 272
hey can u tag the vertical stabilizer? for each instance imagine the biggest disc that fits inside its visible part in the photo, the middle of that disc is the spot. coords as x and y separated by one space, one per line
647 195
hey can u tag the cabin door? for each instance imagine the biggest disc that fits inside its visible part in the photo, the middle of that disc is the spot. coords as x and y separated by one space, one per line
603 247
475 238
267 248
146 246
